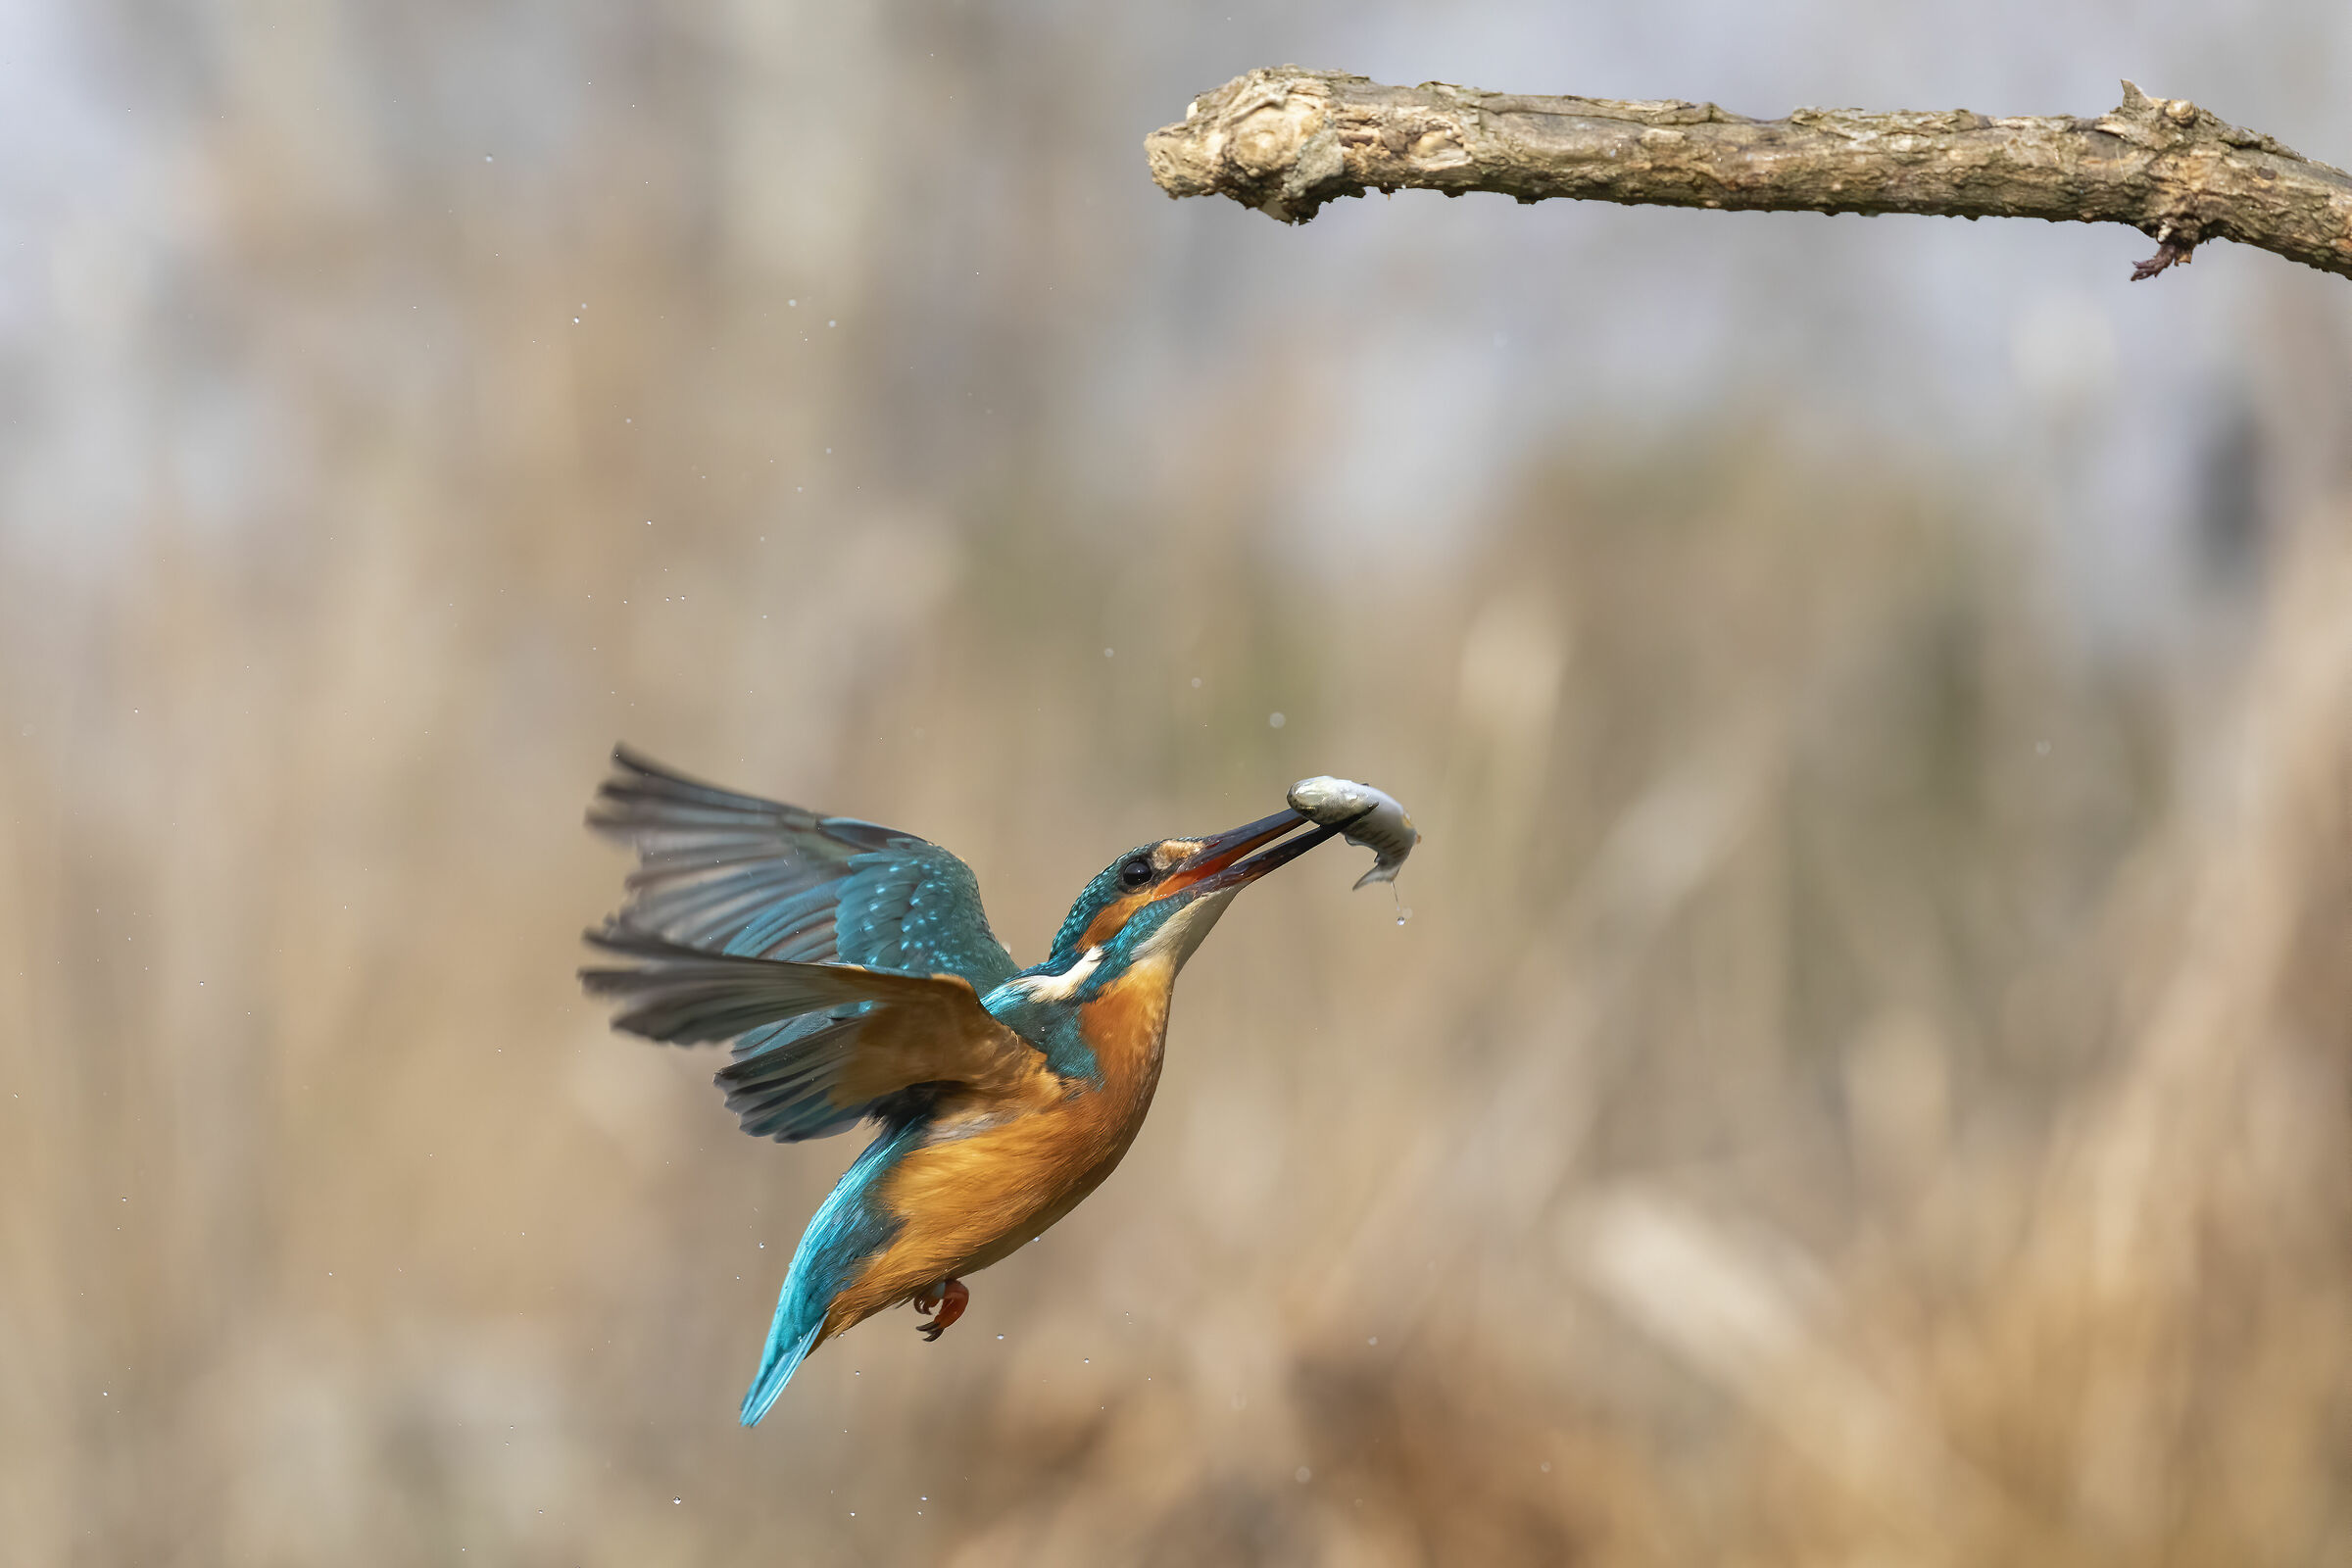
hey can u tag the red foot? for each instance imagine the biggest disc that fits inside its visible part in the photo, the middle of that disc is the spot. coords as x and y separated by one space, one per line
950 1299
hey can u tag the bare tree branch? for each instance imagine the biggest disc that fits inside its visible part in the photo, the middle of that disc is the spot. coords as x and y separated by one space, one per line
1286 141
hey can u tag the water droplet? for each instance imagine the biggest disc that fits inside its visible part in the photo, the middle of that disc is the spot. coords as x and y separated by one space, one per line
1374 1340
677 1499
1302 1475
1196 687
1106 652
1275 721
1402 915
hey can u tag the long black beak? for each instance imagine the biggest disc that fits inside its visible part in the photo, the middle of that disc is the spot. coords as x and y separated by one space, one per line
1226 861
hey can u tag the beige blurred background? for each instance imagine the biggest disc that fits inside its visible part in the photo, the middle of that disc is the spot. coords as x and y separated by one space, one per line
1863 1079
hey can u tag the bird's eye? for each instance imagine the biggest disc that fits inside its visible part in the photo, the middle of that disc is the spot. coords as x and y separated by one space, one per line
1136 872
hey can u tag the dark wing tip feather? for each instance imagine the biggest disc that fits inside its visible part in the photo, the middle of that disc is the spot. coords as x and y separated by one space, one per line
640 793
630 765
618 934
634 772
671 984
689 995
724 873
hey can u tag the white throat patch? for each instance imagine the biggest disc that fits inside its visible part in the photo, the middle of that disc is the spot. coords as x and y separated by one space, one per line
1063 986
1187 928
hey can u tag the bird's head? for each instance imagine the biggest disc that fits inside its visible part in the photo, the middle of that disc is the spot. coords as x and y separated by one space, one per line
1160 900
1149 909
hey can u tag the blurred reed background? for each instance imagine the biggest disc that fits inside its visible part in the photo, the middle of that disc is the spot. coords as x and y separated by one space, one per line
1863 1079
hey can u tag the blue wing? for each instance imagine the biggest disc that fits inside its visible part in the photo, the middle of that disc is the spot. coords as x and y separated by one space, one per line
734 873
738 875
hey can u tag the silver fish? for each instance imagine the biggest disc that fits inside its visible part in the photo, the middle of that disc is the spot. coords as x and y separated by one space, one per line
1366 816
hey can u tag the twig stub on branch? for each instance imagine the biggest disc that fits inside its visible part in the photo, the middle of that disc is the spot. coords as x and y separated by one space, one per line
1285 141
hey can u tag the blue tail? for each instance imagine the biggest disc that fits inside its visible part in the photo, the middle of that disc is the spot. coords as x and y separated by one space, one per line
787 1347
849 1229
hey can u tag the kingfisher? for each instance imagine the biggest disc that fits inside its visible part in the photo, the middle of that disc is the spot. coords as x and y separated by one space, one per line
853 971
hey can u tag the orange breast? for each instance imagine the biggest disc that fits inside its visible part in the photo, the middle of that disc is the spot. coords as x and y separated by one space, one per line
975 1197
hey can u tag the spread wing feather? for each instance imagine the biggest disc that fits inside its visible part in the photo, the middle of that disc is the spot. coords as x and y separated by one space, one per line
818 1046
738 874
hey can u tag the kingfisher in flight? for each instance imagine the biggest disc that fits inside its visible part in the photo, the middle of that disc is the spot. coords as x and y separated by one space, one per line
853 971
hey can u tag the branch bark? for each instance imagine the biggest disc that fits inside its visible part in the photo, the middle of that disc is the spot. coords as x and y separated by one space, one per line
1285 141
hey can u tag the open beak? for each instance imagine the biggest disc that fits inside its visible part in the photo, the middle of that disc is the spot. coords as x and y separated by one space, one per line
1226 861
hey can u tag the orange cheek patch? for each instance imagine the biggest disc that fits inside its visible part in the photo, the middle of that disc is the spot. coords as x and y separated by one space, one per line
1114 917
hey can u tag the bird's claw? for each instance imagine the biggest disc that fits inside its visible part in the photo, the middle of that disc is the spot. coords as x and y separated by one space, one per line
948 1299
